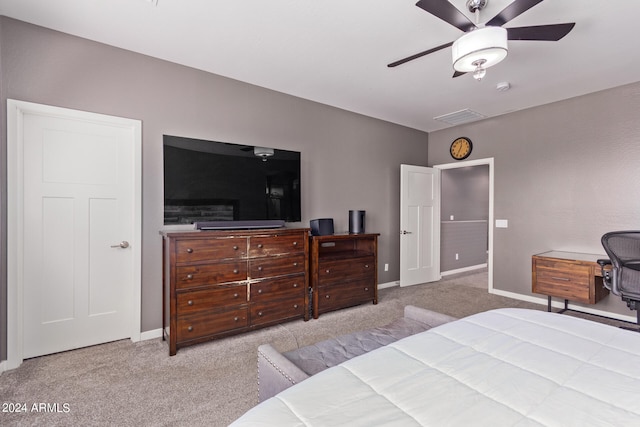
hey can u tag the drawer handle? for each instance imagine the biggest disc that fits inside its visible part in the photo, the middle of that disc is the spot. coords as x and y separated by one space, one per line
295 305
295 264
259 245
235 319
327 271
190 329
235 271
327 296
235 295
295 285
189 276
259 291
189 250
295 243
189 302
366 289
260 268
564 279
366 266
235 248
259 313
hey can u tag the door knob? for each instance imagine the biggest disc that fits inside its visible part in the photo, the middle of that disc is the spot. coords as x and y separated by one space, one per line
124 245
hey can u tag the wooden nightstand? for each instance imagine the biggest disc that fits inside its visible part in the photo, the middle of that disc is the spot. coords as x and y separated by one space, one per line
344 271
568 275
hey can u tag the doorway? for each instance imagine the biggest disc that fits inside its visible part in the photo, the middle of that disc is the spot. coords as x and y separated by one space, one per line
74 221
476 226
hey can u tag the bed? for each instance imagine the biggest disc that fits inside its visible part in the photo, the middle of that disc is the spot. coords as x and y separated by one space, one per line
505 367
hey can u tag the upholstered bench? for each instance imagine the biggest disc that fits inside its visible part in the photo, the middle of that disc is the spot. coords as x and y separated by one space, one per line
278 371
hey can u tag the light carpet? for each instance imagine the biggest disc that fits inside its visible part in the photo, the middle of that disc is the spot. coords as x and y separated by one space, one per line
211 384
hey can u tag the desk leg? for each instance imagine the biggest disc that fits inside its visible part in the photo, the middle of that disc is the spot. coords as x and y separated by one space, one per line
549 304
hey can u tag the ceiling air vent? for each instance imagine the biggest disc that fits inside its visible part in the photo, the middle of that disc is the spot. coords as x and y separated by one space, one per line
460 117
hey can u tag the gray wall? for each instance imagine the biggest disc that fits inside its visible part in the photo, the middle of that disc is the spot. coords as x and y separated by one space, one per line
349 161
465 196
565 173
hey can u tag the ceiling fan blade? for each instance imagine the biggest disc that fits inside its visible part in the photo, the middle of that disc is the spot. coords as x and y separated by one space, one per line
553 32
508 13
419 55
448 13
457 74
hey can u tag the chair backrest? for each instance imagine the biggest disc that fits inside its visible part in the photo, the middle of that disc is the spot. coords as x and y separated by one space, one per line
623 247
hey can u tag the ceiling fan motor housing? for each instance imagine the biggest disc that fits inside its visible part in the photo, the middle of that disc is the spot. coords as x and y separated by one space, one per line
474 5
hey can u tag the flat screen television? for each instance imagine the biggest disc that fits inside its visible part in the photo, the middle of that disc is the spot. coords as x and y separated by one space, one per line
226 185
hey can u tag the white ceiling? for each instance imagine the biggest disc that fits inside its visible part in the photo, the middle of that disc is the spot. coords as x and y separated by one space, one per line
335 51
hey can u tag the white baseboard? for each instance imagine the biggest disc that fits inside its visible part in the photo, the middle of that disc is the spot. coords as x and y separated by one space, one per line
463 270
388 285
3 366
150 335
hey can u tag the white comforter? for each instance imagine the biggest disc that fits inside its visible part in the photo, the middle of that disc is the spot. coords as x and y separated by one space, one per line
507 367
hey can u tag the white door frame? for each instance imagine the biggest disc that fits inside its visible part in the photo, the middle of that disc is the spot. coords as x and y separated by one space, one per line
488 161
16 110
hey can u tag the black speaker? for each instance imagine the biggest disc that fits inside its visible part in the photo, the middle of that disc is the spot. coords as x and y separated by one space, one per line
356 222
321 226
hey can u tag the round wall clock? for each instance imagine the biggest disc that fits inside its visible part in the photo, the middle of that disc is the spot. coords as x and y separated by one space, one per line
461 148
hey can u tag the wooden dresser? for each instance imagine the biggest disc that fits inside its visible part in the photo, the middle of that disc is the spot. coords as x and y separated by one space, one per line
568 275
219 283
344 271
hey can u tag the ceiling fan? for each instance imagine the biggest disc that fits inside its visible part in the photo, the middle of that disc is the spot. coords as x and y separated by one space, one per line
483 46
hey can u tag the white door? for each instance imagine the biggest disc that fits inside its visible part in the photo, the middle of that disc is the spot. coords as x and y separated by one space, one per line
80 227
419 225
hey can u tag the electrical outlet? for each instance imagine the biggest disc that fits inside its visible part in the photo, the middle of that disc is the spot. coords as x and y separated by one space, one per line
386 267
456 257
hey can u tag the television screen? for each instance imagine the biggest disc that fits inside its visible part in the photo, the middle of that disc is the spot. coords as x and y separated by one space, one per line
218 181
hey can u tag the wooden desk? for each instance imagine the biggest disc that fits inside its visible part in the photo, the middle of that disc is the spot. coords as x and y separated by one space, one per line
568 275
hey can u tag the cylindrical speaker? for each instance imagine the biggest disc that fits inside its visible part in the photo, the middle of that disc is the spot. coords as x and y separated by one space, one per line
356 222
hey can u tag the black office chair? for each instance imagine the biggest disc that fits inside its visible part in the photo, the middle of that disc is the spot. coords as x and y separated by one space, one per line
621 272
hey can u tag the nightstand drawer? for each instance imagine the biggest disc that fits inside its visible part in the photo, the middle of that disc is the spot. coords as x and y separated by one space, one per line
345 294
340 270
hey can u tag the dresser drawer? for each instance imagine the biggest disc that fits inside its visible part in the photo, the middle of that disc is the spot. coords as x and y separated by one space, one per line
210 274
194 250
273 289
345 294
192 326
563 280
339 270
268 245
269 312
276 266
211 298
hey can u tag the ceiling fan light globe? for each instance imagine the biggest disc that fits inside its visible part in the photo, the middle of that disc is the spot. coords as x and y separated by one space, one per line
479 73
488 44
